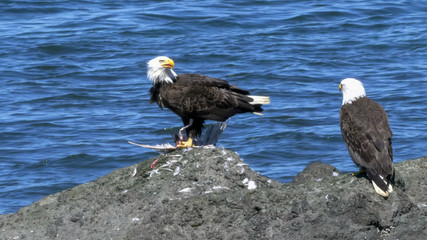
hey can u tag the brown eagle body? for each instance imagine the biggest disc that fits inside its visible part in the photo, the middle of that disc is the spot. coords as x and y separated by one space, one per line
199 97
367 134
365 129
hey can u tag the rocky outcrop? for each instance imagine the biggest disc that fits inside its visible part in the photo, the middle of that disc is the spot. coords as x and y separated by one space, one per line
210 193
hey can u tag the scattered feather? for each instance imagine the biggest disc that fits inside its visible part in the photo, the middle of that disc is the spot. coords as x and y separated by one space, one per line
176 172
249 183
154 171
252 185
185 190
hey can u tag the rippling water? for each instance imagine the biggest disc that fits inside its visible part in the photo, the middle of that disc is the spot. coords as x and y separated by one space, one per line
74 91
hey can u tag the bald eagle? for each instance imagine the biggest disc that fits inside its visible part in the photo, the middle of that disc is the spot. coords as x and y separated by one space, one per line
366 132
196 98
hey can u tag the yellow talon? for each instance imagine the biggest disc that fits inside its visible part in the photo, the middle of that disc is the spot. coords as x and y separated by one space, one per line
359 172
185 144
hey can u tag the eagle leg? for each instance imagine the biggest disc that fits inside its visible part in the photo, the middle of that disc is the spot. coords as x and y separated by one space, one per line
181 136
356 174
182 143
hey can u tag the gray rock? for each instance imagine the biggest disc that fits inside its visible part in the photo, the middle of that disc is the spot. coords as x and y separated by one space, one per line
315 171
210 193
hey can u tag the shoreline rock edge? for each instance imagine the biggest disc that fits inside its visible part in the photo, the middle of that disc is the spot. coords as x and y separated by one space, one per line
210 193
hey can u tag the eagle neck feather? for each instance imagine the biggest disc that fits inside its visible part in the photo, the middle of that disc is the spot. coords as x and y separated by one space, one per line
161 75
351 96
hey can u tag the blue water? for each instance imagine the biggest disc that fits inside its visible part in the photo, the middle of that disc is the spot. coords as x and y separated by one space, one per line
73 86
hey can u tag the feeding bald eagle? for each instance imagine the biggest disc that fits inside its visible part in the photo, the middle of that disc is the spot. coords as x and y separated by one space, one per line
196 98
366 132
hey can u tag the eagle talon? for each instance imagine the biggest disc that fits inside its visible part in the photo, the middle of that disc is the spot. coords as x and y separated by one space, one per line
356 174
185 144
180 142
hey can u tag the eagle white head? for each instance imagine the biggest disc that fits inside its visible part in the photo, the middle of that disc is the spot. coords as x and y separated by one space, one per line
352 89
160 70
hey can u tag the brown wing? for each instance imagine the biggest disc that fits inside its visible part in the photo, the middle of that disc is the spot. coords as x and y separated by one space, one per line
201 97
213 82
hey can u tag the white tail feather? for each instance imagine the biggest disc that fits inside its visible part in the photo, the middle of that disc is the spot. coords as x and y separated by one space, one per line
259 100
380 191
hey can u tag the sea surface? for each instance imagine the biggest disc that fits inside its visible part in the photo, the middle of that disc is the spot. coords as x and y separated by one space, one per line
73 86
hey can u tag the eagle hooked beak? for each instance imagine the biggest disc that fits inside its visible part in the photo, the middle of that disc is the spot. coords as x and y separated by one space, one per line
340 87
168 63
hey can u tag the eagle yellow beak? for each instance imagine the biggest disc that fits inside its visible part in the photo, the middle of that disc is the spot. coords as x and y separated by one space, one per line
168 63
340 87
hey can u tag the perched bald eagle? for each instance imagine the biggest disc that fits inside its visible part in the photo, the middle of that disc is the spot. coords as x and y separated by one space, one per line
196 98
366 132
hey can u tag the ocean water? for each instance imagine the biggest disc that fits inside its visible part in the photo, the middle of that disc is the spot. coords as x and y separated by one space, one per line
74 91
